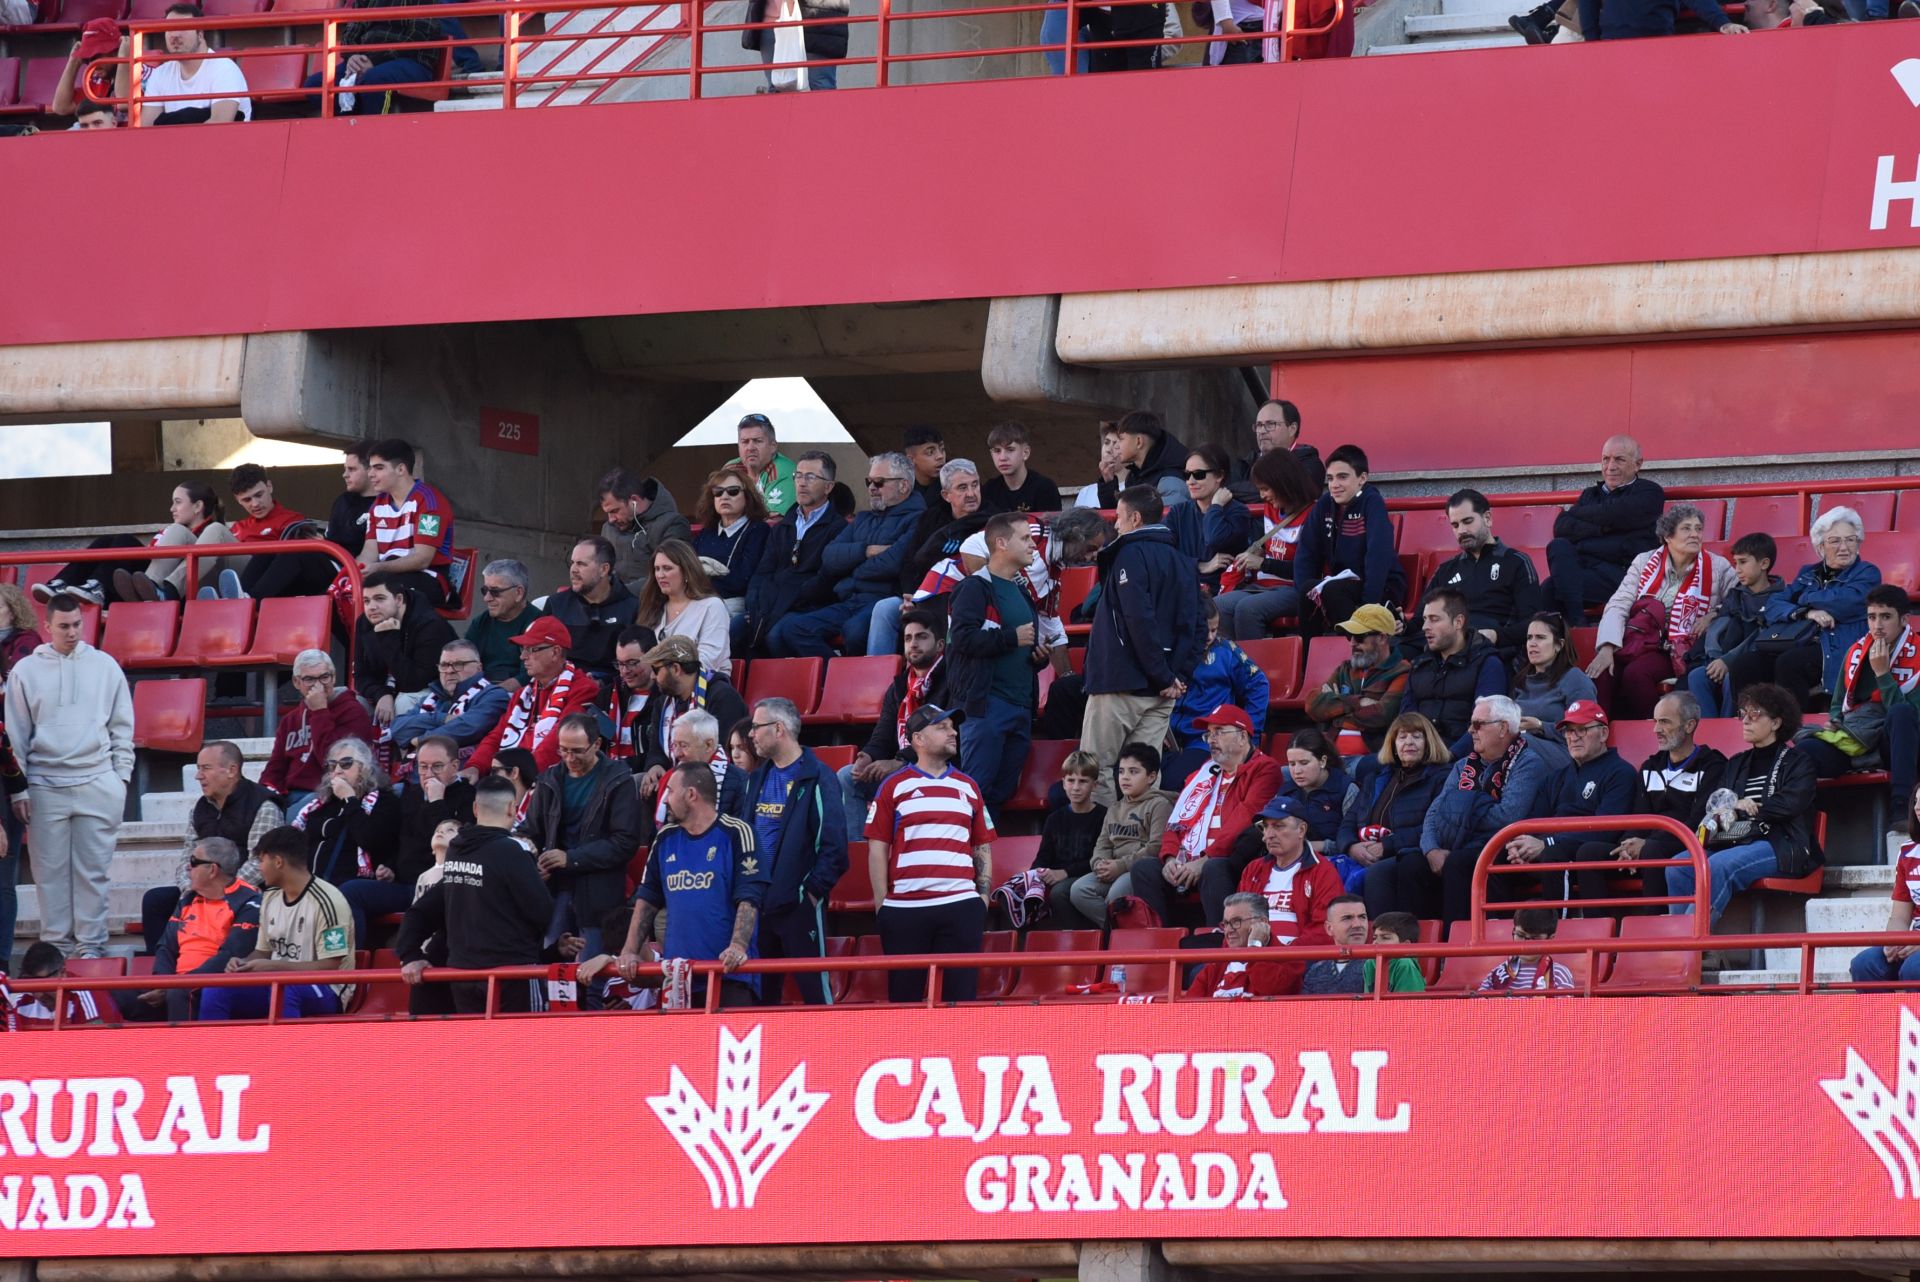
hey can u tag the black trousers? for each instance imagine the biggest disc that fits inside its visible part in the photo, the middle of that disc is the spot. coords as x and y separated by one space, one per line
1448 894
512 996
288 574
1128 22
79 572
797 930
1574 581
1799 671
1336 605
958 927
1219 877
1592 883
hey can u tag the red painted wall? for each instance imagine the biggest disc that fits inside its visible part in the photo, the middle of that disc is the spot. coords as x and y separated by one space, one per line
1373 167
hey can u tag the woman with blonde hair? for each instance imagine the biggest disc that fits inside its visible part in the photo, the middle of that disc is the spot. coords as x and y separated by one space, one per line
1391 795
678 600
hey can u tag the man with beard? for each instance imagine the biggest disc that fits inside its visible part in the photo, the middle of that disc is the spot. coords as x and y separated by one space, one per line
1364 693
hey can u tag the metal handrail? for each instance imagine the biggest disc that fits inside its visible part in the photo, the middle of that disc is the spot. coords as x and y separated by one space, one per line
1487 864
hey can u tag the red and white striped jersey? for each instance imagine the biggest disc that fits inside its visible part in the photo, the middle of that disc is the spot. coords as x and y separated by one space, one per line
932 824
1906 879
424 517
33 1011
1516 977
1282 903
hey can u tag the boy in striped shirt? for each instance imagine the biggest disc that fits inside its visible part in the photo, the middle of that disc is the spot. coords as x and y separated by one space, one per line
1521 974
930 851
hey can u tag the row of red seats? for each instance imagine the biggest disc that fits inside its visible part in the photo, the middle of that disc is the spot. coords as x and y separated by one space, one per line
147 635
55 15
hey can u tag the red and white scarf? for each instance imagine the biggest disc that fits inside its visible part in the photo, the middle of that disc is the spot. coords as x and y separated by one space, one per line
1280 542
1691 602
918 683
1194 814
720 764
627 710
553 705
1233 979
1905 671
362 861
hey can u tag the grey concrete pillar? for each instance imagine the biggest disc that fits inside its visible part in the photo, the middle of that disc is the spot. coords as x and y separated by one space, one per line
1123 1262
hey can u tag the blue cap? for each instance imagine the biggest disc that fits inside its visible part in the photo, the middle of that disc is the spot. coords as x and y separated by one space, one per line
1284 806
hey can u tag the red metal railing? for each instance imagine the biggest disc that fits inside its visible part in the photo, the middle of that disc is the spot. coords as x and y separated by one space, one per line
1488 865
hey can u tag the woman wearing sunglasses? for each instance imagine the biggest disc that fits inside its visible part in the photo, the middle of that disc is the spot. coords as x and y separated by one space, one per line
733 533
353 822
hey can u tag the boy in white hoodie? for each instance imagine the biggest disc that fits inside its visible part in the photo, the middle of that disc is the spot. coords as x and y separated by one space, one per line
70 716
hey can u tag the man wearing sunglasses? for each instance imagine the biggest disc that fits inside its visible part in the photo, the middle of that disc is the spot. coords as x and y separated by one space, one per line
771 470
860 566
508 613
218 920
787 577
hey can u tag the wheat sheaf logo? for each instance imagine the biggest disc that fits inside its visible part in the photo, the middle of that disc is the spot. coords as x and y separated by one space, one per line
735 1141
1889 1121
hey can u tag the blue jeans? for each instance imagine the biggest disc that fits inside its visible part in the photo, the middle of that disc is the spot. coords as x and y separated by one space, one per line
1053 31
370 898
1246 615
993 750
810 635
297 1001
1870 966
856 797
372 99
1862 10
1729 872
1716 700
883 626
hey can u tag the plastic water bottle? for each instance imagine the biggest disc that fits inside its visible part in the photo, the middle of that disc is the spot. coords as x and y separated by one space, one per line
1117 976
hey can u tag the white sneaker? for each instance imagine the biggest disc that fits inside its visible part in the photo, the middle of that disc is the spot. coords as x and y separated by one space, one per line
89 591
89 952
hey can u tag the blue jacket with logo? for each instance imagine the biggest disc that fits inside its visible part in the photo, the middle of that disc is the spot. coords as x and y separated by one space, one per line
859 577
1147 628
812 853
1224 675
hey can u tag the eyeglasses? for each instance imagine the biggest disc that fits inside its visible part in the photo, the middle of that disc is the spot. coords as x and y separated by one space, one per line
1236 921
1841 541
1200 475
760 420
1482 725
629 665
762 725
493 592
810 476
308 678
193 861
1752 714
880 482
728 491
459 664
536 649
343 763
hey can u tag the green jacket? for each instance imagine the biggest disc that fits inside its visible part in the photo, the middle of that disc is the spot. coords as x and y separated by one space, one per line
1402 977
776 484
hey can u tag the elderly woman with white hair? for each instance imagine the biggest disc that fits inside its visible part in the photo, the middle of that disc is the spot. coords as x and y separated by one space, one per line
1832 594
1658 615
353 822
1501 781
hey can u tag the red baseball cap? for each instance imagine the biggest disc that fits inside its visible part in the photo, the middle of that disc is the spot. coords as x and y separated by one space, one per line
1227 715
545 631
1584 712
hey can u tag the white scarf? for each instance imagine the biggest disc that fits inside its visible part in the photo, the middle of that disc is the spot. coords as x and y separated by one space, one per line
553 703
1195 809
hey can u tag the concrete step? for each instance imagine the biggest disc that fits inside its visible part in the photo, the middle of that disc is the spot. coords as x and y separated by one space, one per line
1458 24
1773 976
1828 915
1858 880
123 905
1468 42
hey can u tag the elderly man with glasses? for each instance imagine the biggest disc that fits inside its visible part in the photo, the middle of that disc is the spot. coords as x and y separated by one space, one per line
503 591
324 716
462 704
858 568
788 576
555 689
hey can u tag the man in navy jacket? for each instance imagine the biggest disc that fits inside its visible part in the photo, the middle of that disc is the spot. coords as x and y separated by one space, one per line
862 563
786 578
1597 538
799 823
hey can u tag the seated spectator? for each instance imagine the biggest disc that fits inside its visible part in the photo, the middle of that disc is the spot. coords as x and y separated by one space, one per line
198 89
1501 781
304 925
554 689
397 646
411 524
930 855
435 795
1657 615
99 39
1365 692
1346 557
462 704
1276 426
788 576
352 511
798 828
1317 782
1100 494
1151 455
1631 21
216 920
1130 831
1456 670
1230 527
1736 652
888 748
860 567
352 824
231 807
595 606
1067 841
1258 588
267 519
1347 927
936 539
19 635
1675 781
1597 782
1296 885
1872 720
1833 593
1546 680
712 915
768 472
491 910
1395 788
1885 963
682 685
627 701
1526 973
1245 924
1017 488
307 732
926 450
679 600
31 1012
584 819
1128 29
1760 818
733 535
1500 585
1605 528
640 517
996 650
1224 675
1403 974
695 738
195 517
1221 801
740 746
505 614
373 72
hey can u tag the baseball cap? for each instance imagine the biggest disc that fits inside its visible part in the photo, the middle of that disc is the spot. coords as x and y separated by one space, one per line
545 630
1369 619
677 650
1227 715
1284 807
1584 712
924 717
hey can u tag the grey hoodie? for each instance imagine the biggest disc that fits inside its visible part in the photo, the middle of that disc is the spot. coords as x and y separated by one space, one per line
633 549
70 717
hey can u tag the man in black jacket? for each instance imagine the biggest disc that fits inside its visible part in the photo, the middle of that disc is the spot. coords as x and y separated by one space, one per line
1597 538
1456 670
397 646
489 905
680 685
584 819
1153 456
791 564
1500 585
596 607
435 794
1275 427
996 649
924 642
794 806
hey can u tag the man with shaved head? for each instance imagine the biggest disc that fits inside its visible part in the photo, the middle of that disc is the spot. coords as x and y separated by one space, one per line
1597 538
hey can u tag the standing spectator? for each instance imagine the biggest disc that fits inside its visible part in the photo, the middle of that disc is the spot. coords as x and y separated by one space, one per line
799 828
517 767
1607 526
1833 593
304 925
216 921
18 628
306 733
231 807
695 738
1230 527
374 73
1546 681
627 702
1150 455
824 41
1221 801
929 853
1676 782
1244 923
280 574
595 607
1597 783
733 534
1124 26
1258 588
1224 674
202 89
926 451
506 614
1067 842
995 654
411 523
70 717
889 747
1016 488
1769 829
1529 972
1346 557
1365 692
397 646
1347 927
1147 633
768 472
436 795
1456 670
740 746
640 517
554 689
707 874
1734 653
1871 721
1317 783
1884 964
1500 585
861 565
584 820
489 906
352 824
1396 788
1276 426
1658 614
462 704
198 519
788 576
1130 832
684 684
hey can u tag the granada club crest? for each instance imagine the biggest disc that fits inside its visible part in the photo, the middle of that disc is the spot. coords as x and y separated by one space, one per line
734 1141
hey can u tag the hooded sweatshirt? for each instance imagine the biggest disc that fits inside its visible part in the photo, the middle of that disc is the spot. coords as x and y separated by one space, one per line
489 904
70 717
633 549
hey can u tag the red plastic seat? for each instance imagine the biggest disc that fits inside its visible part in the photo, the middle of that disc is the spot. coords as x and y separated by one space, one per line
387 998
96 967
853 690
1076 585
147 11
140 965
301 6
864 987
9 82
140 634
1279 658
1634 741
272 74
1897 553
39 81
1012 856
1145 977
1526 526
1463 974
835 755
1874 506
1655 970
1427 529
1584 641
1429 934
1722 733
853 893
1324 654
1715 513
466 561
170 716
285 627
213 630
81 12
233 8
1041 772
1049 981
795 679
1775 514
993 981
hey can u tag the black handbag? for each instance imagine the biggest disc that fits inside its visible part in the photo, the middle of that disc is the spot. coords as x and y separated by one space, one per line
1778 638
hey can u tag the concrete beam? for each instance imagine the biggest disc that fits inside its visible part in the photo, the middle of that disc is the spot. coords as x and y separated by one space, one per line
804 342
1123 1262
82 382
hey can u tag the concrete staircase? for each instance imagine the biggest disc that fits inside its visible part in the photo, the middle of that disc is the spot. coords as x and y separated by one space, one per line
1460 24
1855 899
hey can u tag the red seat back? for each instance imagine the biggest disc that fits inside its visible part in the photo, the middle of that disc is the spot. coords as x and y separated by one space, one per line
994 980
81 12
1655 970
1429 934
213 630
853 893
234 8
141 964
288 625
1584 641
1530 526
40 80
9 82
170 716
1775 514
795 679
1012 856
466 561
139 634
275 73
1897 554
1715 513
1076 585
1279 658
855 686
1046 981
96 967
864 986
835 755
1040 773
1634 741
1324 654
1722 733
1146 977
1874 506
1427 530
